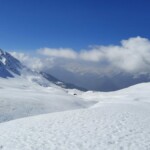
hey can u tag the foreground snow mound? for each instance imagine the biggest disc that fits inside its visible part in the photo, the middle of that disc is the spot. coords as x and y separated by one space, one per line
22 97
109 127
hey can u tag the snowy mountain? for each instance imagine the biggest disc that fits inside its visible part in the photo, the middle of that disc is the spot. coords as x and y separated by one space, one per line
11 67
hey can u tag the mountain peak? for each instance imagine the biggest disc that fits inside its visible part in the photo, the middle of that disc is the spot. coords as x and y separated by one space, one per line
2 52
9 65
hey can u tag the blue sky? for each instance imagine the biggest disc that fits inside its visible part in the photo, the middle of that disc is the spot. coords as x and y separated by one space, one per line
32 24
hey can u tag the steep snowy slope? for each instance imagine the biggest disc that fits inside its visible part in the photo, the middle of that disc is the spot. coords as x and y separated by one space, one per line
120 122
9 65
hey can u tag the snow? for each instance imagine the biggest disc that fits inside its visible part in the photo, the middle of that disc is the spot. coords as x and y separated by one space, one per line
60 120
21 97
137 93
112 126
9 65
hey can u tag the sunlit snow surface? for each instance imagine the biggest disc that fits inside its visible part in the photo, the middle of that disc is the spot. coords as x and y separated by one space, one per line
102 121
21 98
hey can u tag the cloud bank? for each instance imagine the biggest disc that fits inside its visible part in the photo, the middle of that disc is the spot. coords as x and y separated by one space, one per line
67 53
131 56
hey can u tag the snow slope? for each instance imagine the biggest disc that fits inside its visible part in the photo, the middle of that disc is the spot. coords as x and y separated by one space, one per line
119 121
137 93
111 126
21 97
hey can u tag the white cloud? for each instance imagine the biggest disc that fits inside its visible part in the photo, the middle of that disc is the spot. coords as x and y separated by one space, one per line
132 55
35 63
60 52
94 55
21 56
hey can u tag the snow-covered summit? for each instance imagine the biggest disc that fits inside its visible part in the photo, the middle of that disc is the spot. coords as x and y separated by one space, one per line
9 66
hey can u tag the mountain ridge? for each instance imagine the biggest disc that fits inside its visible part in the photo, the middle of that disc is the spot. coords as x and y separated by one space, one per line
11 67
